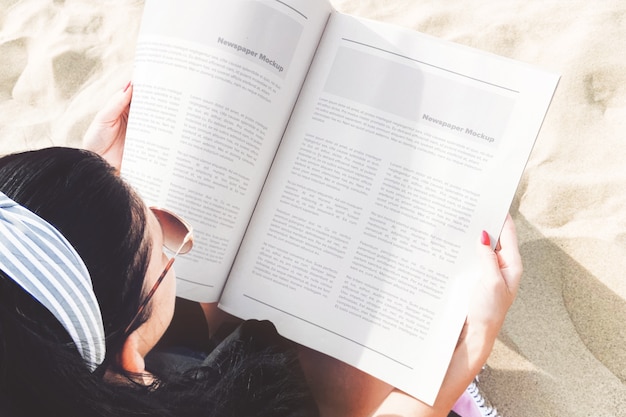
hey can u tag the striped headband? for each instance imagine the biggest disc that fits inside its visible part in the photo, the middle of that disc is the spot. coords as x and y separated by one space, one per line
39 259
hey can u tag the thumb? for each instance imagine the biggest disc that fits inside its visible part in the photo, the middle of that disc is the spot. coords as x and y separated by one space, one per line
116 106
489 261
502 269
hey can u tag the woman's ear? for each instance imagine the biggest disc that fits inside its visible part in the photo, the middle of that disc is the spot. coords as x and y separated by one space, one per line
130 357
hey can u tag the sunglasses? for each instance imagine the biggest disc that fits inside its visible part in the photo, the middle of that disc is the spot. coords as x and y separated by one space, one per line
178 238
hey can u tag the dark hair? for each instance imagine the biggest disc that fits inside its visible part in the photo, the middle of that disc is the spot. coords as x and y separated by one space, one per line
80 194
102 217
40 369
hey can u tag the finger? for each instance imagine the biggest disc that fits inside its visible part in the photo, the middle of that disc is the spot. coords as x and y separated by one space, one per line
508 236
491 278
509 250
491 297
488 258
509 258
506 260
116 106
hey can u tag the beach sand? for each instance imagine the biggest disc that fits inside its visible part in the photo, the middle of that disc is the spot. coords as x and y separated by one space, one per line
562 351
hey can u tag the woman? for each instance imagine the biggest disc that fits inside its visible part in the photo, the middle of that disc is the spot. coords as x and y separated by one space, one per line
253 372
120 242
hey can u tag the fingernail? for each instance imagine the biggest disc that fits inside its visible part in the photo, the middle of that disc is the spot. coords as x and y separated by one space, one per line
484 239
127 86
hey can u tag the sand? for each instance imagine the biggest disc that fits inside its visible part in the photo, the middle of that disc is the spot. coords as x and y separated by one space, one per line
562 351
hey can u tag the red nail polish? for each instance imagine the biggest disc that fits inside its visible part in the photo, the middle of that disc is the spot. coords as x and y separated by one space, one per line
127 86
484 239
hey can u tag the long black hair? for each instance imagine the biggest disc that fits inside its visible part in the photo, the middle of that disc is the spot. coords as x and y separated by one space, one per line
41 372
80 194
102 217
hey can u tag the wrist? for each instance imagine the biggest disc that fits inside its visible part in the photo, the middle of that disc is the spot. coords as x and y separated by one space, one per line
469 357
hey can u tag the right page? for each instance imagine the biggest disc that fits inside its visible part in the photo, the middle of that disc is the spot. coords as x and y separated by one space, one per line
401 150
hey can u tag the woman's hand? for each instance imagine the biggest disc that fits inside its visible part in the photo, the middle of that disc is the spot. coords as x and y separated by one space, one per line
494 294
497 288
105 136
492 297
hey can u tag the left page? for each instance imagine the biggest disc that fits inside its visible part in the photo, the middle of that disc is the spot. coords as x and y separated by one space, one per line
214 86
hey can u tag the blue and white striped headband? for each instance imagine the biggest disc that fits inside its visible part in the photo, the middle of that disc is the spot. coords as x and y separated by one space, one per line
39 259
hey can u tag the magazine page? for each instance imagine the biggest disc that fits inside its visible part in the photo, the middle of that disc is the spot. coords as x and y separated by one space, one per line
401 150
214 85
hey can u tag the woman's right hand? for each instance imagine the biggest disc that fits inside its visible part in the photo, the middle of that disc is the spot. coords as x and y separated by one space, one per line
107 132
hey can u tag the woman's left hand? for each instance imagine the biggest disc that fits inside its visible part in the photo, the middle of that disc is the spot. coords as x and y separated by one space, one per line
105 136
494 294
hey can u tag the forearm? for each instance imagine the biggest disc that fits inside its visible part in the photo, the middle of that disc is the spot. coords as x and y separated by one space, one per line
468 358
215 317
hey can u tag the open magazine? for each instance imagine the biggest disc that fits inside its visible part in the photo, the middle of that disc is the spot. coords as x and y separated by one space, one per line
338 171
